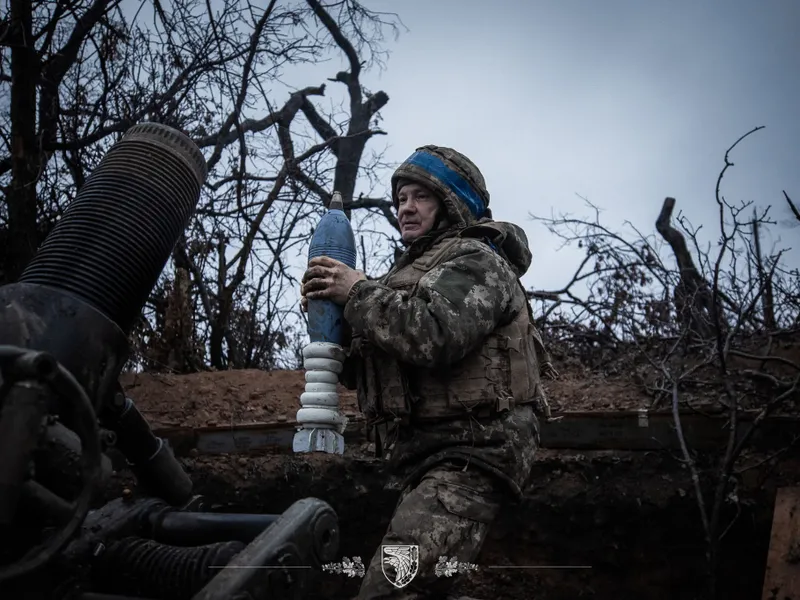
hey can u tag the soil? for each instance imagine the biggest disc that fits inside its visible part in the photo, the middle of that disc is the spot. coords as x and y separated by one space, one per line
221 398
253 396
632 517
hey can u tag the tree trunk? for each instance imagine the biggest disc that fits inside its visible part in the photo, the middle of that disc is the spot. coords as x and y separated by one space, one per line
23 235
692 296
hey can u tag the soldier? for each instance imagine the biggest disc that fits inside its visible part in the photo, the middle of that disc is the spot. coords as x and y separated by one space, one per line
446 361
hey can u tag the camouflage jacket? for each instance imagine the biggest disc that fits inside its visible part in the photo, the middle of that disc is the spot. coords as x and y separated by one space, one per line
449 313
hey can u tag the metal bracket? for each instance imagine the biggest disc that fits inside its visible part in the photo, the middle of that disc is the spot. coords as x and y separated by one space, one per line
278 563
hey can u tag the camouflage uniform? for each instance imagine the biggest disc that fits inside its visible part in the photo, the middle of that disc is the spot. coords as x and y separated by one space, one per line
445 359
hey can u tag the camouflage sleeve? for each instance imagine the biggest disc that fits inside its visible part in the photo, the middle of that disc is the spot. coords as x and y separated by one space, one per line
455 306
348 375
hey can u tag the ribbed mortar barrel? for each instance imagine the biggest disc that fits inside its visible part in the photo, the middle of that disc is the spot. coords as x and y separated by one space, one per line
115 238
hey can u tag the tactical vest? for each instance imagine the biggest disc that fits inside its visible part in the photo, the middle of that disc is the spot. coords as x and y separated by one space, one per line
495 377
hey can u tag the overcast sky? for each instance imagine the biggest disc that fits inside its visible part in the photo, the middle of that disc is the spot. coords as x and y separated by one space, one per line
623 102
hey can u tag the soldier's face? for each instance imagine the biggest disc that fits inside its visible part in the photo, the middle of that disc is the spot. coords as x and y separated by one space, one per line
416 211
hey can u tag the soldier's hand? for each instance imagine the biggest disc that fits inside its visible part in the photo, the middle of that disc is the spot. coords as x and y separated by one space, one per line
329 279
303 303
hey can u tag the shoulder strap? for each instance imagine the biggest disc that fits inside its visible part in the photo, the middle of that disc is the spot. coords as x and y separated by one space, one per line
436 255
546 367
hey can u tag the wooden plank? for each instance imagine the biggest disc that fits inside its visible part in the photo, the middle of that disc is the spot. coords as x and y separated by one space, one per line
639 430
782 577
623 430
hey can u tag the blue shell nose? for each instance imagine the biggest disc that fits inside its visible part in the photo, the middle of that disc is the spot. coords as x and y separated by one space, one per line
333 238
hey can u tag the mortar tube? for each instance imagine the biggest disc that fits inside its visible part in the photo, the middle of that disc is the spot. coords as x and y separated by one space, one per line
150 457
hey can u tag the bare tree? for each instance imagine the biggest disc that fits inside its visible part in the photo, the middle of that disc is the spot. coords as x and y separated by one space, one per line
718 332
792 206
79 73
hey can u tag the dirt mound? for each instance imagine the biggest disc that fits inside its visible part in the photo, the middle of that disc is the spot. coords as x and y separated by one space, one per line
584 391
253 396
631 517
221 398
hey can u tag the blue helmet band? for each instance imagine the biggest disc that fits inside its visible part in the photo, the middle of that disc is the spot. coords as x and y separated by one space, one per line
450 179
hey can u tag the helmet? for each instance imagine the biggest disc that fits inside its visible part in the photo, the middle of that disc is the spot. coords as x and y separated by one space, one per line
452 176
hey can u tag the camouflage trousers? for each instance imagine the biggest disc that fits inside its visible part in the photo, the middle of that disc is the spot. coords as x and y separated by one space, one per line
447 514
